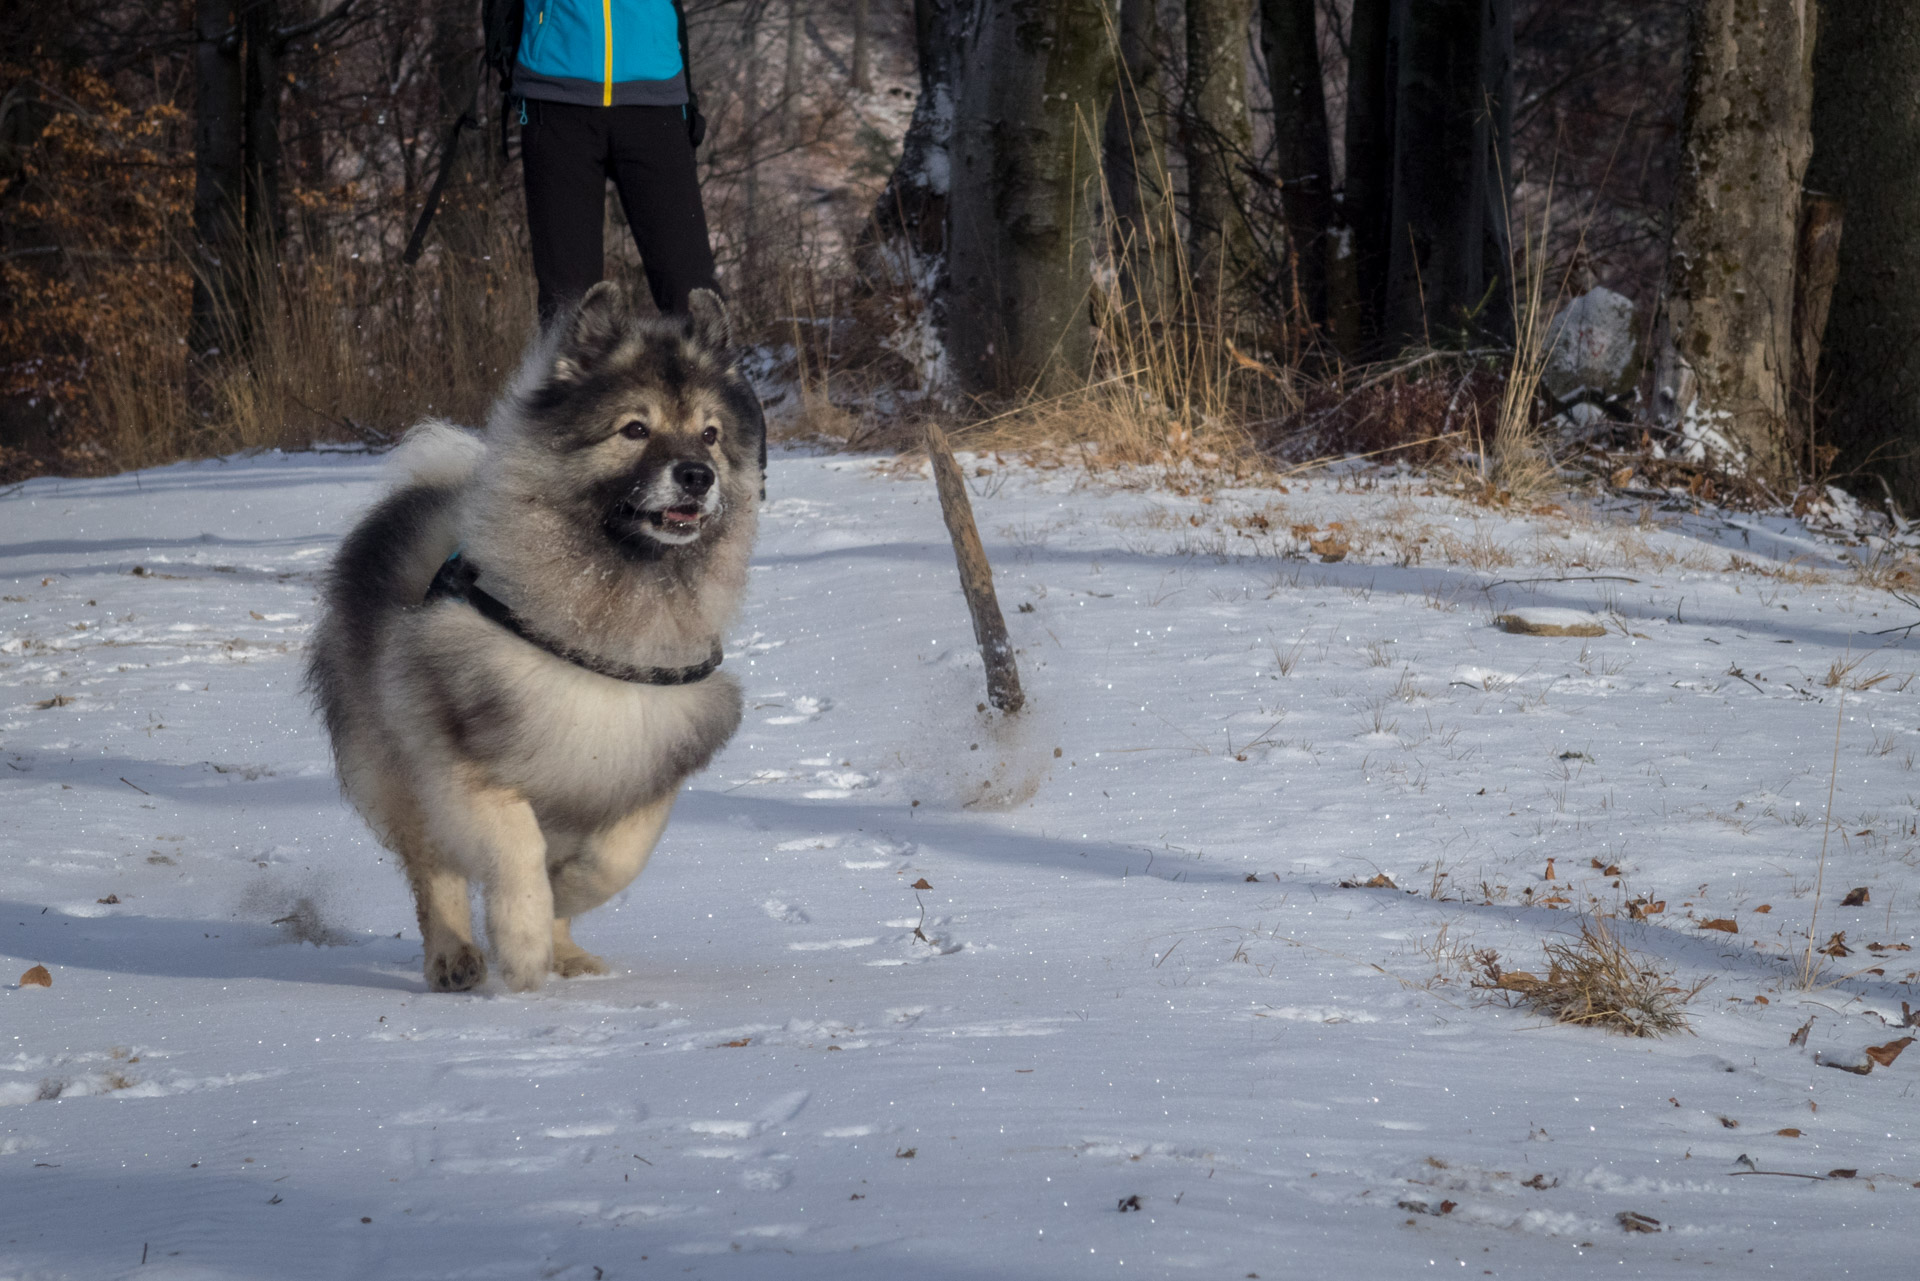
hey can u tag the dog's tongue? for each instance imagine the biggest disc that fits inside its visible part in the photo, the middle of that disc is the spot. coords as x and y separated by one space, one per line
681 515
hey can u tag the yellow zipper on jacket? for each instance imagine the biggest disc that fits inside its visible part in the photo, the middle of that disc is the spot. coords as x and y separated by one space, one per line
606 14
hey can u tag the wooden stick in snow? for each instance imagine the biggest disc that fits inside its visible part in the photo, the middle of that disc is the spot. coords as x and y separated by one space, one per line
976 577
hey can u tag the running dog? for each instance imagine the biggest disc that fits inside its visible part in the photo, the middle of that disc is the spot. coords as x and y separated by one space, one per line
518 659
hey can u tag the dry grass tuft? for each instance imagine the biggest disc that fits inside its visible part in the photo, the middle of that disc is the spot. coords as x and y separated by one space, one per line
1597 982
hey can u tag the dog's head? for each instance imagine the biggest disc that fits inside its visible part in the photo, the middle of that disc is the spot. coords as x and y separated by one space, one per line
656 433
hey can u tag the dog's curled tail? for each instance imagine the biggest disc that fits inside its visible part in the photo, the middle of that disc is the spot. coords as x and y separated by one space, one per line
435 453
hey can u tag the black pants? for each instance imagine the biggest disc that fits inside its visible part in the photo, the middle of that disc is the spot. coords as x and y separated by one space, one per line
568 153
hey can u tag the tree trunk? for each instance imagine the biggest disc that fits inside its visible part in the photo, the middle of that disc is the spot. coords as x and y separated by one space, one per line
263 86
792 81
860 76
1367 198
1447 251
1037 78
1139 203
456 46
1290 40
1866 150
1725 359
1217 137
1816 269
913 208
219 178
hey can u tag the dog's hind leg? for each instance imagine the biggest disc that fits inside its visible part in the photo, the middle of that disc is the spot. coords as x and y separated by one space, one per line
492 835
596 866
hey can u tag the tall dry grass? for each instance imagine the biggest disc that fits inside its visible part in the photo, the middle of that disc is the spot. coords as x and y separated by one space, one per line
1512 461
337 348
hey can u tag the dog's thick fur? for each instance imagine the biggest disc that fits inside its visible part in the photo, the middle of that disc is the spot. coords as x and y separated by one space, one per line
610 503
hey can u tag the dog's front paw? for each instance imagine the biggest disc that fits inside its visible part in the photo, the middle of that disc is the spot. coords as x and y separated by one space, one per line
571 965
525 973
456 969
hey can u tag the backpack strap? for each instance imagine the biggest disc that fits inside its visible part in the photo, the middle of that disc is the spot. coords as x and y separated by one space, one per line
696 123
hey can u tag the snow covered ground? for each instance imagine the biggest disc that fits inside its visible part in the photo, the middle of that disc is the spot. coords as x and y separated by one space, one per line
1140 977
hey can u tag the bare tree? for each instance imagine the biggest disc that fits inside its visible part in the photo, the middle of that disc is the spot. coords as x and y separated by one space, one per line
219 173
1367 199
1303 157
1217 138
913 207
1866 150
1725 357
1447 258
1037 78
1139 199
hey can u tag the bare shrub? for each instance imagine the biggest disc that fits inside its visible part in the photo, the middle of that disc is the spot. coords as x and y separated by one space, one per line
1596 981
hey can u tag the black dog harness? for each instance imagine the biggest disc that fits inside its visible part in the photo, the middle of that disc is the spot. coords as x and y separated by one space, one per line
455 582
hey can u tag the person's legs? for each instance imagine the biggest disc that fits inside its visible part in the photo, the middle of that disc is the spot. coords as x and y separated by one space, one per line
563 150
653 170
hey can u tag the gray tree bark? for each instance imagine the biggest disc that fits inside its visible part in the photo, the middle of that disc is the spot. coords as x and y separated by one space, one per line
1139 201
1447 259
219 176
1289 38
1866 150
1026 160
1217 138
1724 360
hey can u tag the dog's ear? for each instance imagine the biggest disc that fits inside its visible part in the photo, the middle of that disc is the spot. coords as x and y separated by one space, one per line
593 330
709 324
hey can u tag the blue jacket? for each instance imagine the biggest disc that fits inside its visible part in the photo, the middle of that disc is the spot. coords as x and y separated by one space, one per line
601 53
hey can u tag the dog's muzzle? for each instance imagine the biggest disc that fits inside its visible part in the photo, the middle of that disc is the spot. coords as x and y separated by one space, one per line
673 506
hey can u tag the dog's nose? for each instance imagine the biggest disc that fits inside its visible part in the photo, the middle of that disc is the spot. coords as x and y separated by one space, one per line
695 478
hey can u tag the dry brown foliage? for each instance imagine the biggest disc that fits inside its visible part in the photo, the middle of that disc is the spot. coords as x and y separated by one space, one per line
1596 981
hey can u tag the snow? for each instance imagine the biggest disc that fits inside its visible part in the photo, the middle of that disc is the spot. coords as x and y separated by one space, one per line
1136 974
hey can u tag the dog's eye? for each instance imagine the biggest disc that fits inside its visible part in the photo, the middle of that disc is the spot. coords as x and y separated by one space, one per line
710 435
634 429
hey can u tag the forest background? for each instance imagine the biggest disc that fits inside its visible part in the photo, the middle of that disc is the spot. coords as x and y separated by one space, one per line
1655 240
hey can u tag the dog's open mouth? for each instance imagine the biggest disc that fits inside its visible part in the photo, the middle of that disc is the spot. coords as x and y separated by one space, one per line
679 516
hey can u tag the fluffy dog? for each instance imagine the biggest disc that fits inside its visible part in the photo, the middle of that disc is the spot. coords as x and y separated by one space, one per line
516 663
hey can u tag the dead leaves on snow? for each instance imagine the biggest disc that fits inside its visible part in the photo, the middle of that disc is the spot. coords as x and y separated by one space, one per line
1596 981
36 977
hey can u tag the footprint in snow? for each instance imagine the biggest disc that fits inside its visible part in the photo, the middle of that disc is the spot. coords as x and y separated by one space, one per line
785 913
840 784
799 710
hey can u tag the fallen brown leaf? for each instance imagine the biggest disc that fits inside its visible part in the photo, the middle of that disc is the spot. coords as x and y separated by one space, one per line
1884 1055
1723 924
1634 1222
920 884
1836 946
1843 1174
1800 1037
58 700
1788 1133
734 1045
36 977
1763 909
1856 897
